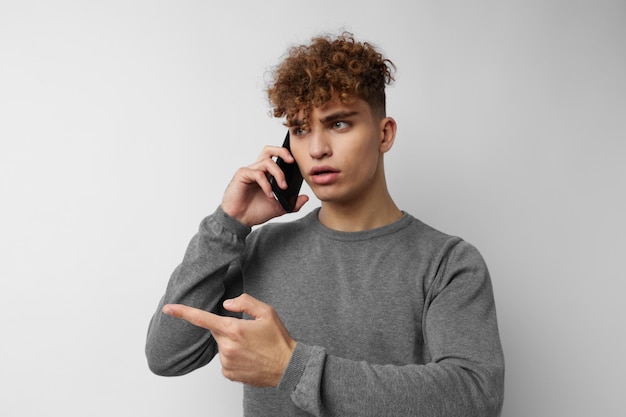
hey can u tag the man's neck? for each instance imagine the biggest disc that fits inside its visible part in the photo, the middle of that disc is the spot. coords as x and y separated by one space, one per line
357 217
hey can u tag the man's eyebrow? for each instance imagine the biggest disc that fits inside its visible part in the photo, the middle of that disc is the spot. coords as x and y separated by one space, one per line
338 116
295 123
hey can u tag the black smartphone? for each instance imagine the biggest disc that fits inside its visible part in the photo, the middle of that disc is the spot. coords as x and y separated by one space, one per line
287 198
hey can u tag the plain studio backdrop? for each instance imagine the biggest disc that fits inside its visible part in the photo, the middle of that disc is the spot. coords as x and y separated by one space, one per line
121 123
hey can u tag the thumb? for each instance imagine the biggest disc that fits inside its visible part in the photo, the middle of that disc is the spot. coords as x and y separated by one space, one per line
247 304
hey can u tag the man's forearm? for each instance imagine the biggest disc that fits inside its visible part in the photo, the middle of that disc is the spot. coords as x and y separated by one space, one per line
203 280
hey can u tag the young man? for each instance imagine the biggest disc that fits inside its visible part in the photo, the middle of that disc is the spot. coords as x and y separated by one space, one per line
357 309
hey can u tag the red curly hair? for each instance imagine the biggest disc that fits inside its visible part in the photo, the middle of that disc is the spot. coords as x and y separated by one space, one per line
311 75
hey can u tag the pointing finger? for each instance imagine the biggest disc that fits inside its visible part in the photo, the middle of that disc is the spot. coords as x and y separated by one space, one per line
195 316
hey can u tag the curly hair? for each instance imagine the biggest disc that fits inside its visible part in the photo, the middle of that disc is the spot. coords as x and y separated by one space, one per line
329 67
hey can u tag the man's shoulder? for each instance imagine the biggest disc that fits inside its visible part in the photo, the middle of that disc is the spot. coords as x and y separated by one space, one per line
426 234
282 229
441 247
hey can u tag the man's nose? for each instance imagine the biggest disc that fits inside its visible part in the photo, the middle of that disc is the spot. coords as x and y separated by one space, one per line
319 146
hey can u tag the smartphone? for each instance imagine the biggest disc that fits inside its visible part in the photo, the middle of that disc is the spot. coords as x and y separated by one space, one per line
287 198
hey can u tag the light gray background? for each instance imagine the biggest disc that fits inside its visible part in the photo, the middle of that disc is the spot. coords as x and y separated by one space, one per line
121 123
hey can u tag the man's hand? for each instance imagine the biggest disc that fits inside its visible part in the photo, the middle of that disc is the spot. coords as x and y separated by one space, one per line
255 352
249 198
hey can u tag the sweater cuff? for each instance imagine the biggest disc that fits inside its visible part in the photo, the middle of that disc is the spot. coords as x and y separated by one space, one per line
229 223
295 368
302 379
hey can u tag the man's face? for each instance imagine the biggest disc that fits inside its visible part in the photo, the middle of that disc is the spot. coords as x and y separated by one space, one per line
339 151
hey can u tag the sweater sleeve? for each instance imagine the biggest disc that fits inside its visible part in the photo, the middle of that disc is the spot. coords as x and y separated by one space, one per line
462 377
207 275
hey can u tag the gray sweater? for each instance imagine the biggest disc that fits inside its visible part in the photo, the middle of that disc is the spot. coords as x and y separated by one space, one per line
395 321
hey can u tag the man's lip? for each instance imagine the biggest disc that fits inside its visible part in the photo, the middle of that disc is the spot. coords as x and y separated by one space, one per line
323 169
323 175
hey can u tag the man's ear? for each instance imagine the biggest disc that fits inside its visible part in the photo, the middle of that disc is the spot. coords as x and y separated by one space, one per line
387 133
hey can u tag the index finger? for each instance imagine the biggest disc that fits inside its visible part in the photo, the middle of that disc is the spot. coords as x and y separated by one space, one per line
275 151
195 316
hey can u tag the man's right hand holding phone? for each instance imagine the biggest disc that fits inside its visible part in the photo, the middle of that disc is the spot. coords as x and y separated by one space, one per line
249 197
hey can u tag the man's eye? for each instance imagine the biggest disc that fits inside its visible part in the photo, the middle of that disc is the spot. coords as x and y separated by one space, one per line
298 131
340 125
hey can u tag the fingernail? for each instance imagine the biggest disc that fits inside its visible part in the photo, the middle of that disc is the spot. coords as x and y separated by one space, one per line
228 302
167 310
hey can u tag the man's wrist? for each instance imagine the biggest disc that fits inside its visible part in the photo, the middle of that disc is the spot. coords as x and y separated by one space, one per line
231 223
295 368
